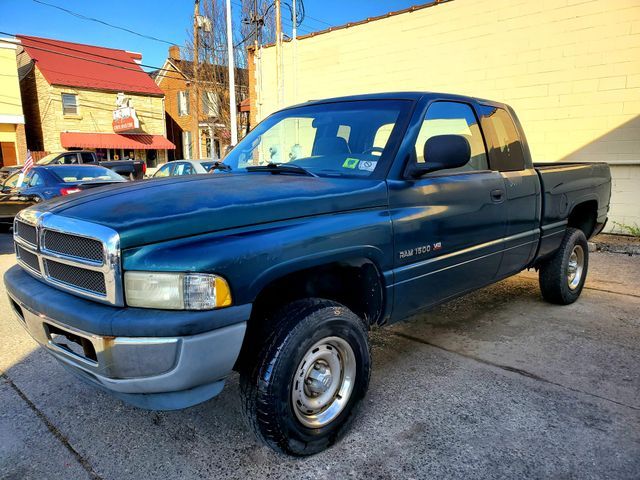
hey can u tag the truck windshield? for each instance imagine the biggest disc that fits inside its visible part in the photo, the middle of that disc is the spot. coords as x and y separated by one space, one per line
350 138
47 159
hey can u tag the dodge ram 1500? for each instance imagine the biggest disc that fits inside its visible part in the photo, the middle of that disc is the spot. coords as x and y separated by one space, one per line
328 218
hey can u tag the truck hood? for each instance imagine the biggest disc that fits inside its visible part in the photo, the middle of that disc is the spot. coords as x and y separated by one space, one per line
157 210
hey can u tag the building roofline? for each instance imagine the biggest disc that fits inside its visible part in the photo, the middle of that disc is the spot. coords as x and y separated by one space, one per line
411 9
132 54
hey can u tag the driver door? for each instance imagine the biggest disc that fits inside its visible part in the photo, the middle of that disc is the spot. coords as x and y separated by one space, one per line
447 224
14 196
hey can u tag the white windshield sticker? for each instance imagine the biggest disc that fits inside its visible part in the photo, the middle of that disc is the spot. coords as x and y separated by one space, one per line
367 165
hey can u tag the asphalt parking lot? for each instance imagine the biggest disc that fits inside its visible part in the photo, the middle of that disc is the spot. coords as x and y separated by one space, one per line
498 384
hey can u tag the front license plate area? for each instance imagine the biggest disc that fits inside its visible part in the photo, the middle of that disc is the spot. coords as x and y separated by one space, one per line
74 344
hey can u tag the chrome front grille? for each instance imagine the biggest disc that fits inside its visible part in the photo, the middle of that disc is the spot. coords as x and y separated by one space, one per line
73 246
76 277
80 257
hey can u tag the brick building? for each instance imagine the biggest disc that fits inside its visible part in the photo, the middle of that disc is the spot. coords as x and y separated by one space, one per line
571 70
79 96
13 146
206 136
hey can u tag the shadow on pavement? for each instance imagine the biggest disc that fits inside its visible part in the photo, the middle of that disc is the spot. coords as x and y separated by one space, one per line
6 243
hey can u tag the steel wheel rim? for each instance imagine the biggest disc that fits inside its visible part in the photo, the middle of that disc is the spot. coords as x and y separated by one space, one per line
575 267
323 382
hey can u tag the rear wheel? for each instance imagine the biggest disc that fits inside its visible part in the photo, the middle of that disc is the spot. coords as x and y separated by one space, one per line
562 276
309 377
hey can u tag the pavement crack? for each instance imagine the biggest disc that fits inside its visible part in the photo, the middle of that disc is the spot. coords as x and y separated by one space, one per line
511 369
53 429
626 294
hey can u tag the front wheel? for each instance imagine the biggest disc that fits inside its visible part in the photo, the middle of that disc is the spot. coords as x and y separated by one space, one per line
562 276
309 378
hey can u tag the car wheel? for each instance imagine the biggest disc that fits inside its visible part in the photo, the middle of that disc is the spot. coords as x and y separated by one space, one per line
309 377
562 276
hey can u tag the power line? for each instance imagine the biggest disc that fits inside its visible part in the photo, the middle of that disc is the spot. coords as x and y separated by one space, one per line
103 22
45 42
85 53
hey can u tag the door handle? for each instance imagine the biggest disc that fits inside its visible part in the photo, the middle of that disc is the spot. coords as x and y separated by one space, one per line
497 195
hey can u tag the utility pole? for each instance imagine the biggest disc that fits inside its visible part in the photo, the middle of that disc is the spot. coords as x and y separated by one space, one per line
232 80
295 51
279 54
196 89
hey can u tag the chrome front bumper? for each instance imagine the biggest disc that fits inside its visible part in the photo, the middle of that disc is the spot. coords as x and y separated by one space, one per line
150 372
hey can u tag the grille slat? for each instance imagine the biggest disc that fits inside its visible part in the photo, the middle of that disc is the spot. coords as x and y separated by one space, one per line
28 258
77 277
27 232
73 246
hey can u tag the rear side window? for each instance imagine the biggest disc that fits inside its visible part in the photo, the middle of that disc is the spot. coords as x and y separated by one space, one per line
453 118
87 157
503 140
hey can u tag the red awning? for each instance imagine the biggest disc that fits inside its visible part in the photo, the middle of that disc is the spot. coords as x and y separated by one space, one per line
115 140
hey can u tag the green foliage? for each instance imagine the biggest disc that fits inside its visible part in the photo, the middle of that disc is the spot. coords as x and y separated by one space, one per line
633 230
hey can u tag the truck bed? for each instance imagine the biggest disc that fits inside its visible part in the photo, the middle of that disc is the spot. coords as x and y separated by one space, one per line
565 185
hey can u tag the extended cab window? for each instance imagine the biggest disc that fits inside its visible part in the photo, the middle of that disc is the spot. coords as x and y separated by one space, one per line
87 157
453 118
505 148
333 139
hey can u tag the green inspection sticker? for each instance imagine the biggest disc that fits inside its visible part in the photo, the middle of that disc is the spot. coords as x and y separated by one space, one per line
351 163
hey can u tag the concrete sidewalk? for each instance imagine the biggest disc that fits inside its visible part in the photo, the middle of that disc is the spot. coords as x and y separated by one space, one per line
496 384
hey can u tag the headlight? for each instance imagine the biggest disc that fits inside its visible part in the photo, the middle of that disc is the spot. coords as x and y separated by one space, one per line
176 291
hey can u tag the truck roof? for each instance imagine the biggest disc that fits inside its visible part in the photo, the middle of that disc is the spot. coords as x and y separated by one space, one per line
411 95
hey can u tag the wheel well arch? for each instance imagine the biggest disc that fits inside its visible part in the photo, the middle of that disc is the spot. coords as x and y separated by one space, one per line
583 216
356 283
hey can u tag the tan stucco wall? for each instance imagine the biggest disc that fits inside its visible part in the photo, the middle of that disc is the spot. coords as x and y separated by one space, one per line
10 103
11 114
570 68
95 112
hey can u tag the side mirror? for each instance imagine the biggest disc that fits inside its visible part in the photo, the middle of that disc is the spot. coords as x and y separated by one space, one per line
440 153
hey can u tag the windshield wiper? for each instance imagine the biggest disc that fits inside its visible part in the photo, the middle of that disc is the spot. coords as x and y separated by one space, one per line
280 168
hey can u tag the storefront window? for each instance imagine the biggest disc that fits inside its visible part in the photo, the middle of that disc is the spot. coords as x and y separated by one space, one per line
152 158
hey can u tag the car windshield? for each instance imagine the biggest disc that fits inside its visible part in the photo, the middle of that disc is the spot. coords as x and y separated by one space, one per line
47 158
70 174
347 138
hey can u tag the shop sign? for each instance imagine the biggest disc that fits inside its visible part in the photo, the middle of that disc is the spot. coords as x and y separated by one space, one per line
125 118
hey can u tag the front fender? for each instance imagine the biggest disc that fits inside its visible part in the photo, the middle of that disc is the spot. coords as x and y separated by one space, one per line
351 255
249 258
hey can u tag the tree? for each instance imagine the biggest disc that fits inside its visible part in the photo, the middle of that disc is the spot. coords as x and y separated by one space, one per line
211 77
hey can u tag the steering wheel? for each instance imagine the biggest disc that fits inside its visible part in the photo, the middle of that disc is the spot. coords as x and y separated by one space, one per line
373 149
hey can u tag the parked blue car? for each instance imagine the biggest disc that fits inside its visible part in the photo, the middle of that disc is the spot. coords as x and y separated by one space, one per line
44 182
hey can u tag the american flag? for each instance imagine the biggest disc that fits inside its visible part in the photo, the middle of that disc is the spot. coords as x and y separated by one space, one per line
28 163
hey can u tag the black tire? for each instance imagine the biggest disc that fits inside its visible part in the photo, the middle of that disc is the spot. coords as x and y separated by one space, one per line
554 272
5 227
267 388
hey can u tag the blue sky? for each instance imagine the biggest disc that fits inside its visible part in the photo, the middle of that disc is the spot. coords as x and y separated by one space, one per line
165 19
